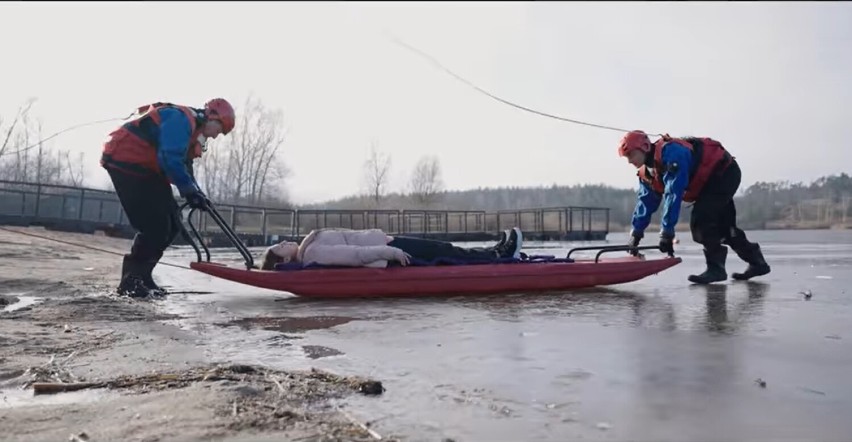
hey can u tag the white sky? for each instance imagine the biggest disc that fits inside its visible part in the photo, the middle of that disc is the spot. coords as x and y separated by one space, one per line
769 80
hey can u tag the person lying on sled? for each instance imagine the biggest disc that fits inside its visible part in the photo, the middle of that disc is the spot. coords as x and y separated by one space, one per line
374 248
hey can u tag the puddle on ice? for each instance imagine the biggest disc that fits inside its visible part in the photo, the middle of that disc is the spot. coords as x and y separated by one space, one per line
16 397
23 301
292 324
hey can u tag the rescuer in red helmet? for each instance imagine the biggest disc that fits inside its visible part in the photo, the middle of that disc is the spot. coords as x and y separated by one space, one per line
697 170
143 158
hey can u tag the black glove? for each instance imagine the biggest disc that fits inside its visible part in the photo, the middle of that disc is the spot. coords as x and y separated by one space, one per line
633 242
667 243
197 200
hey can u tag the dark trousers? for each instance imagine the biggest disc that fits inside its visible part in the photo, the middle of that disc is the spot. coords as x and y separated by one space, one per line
151 210
714 216
428 250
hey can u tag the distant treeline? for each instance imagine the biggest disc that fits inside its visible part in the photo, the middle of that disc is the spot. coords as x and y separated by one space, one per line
823 203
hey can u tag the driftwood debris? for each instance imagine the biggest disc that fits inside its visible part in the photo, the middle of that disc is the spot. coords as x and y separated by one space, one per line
360 425
230 373
367 387
62 387
268 399
157 381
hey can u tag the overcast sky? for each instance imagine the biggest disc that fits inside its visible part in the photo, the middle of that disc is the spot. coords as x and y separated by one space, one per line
770 80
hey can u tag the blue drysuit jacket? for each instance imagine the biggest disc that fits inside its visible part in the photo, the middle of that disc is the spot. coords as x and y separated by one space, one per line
677 162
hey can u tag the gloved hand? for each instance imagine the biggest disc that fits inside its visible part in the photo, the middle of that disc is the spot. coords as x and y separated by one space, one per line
667 243
633 242
197 199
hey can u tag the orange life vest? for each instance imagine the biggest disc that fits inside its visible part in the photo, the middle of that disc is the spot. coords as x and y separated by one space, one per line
132 148
708 157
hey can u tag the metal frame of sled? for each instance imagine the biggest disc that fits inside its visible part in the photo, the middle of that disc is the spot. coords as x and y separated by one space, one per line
226 229
249 260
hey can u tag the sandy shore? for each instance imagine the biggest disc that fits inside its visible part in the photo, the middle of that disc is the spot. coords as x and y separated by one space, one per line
148 380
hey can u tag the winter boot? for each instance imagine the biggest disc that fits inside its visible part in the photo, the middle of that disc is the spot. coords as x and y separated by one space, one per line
757 265
715 257
146 269
504 236
512 246
132 279
133 287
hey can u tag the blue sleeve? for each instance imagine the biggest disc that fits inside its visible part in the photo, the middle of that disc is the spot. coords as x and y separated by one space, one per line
174 142
648 202
677 161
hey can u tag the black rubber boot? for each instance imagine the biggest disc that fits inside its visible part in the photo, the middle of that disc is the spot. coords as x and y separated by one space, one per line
146 270
757 265
132 286
715 257
133 279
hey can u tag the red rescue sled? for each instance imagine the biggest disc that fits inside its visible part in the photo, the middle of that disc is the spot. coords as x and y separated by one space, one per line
444 280
450 280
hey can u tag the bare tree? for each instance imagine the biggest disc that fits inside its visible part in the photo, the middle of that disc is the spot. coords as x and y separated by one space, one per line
245 167
44 166
426 182
10 131
40 163
376 173
73 169
209 172
29 159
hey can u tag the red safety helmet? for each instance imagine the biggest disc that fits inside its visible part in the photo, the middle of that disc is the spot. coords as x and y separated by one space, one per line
634 140
219 109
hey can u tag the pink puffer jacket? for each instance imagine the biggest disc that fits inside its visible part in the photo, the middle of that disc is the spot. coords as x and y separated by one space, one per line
344 247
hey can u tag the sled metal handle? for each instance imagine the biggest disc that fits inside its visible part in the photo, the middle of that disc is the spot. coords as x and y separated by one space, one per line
197 236
226 229
609 249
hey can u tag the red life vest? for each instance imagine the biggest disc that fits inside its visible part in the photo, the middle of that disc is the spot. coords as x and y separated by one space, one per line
132 148
708 157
